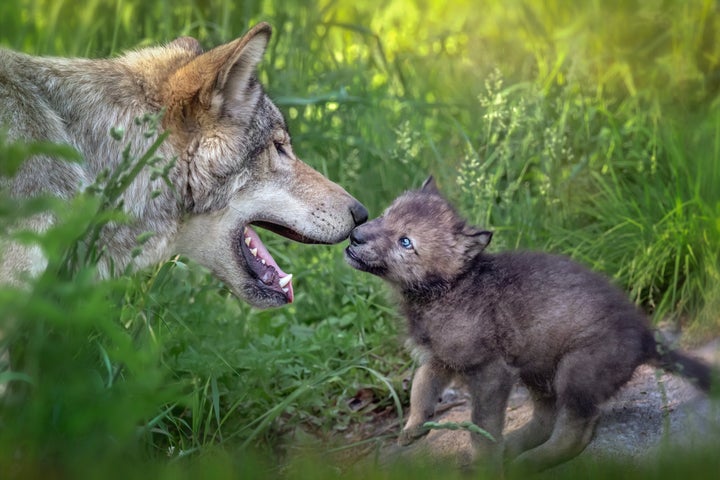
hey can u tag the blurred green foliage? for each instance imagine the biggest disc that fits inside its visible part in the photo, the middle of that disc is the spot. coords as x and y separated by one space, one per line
589 128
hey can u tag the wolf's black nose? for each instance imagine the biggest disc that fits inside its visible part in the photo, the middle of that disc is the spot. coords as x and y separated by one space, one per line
359 213
356 237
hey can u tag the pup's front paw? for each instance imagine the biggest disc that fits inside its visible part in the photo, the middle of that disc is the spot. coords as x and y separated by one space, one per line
410 434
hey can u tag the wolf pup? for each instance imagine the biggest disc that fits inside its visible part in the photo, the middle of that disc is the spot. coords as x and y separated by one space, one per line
235 165
571 337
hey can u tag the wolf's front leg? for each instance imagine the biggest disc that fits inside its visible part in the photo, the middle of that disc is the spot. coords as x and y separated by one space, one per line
428 384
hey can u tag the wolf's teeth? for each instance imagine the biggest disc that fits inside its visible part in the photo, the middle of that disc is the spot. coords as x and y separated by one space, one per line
247 241
245 231
254 252
285 280
286 290
262 260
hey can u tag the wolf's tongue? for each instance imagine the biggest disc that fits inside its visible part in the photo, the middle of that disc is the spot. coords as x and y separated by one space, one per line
264 266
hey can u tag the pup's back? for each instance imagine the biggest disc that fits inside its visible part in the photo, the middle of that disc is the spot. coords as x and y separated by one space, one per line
550 305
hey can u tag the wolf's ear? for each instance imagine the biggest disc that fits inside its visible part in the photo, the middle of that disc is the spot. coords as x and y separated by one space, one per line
429 186
478 239
226 72
236 75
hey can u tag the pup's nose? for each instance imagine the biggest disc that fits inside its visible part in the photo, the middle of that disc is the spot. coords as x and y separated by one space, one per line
359 213
356 237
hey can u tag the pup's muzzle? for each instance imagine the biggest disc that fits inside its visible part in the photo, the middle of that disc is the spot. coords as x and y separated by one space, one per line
357 237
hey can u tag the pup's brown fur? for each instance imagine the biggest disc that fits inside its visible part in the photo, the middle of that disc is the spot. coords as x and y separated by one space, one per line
235 164
570 336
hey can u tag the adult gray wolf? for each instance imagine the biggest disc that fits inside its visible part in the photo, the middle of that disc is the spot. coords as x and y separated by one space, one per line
571 337
235 166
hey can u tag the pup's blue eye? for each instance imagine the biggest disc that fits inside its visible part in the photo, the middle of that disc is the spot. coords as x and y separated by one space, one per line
406 243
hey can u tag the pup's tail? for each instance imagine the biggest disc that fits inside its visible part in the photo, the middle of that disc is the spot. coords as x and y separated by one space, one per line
679 362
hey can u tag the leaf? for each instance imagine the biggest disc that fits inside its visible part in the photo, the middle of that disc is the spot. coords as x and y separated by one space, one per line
14 153
469 426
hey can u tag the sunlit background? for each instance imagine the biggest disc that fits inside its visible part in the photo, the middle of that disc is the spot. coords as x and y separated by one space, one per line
589 128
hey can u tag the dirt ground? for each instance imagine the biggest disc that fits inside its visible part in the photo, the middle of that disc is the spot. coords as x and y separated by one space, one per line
654 411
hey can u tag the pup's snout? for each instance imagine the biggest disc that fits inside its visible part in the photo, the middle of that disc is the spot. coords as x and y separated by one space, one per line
357 237
359 213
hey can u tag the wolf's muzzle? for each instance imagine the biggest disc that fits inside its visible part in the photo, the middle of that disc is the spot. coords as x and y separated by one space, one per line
359 213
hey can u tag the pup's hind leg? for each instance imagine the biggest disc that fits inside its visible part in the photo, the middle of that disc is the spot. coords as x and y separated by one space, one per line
537 430
570 436
583 380
428 383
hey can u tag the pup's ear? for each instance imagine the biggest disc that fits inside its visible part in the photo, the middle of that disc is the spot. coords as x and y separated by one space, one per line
187 43
225 73
478 239
429 186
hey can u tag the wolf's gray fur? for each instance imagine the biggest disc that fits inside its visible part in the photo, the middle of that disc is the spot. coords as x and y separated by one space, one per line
570 336
235 165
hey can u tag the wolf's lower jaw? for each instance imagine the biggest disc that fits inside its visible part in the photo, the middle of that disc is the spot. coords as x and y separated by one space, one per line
261 265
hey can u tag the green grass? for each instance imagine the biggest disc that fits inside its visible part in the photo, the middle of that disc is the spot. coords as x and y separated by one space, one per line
600 139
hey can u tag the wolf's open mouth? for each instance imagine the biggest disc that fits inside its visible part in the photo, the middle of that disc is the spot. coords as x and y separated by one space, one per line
287 232
262 265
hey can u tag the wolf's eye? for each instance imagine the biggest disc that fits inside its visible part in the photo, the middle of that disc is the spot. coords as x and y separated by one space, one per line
280 148
405 243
